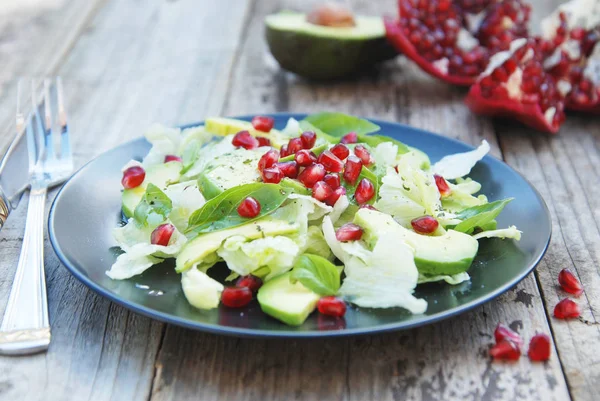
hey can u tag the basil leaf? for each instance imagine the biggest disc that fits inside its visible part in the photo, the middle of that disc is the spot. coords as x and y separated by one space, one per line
317 274
190 155
339 124
364 173
480 216
153 203
220 212
374 140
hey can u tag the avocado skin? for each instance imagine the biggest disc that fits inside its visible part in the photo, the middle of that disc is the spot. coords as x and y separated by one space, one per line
321 58
434 268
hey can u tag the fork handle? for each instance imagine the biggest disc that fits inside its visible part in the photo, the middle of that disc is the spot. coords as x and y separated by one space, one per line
25 328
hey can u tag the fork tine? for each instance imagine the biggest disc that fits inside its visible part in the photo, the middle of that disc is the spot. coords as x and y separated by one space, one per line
65 141
37 127
19 117
48 126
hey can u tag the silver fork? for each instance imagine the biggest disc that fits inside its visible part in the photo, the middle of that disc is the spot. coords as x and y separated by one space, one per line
25 328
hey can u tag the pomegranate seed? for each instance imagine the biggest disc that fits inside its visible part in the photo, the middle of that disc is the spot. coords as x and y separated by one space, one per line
308 139
335 195
506 350
331 162
264 124
289 169
133 177
332 306
424 224
333 180
539 347
321 191
363 154
364 191
367 206
249 208
162 234
305 158
236 297
245 140
268 159
566 309
503 332
349 232
283 152
569 282
172 158
272 175
249 281
262 141
294 145
340 150
350 137
442 185
352 169
311 174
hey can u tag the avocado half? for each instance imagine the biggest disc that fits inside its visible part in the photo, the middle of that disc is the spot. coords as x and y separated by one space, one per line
323 52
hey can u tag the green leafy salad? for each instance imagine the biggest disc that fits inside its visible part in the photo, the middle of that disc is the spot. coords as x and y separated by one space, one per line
322 214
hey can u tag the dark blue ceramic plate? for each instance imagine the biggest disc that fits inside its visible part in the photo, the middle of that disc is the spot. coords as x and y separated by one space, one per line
88 208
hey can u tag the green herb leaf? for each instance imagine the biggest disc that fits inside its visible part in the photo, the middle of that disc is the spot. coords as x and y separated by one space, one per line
374 140
364 173
480 216
317 150
306 126
339 124
220 212
317 274
154 205
190 155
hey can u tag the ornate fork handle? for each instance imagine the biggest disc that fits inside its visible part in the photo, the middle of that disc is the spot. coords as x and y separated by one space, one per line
25 328
4 210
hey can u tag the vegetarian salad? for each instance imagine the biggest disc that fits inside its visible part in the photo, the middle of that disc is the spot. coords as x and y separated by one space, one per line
321 214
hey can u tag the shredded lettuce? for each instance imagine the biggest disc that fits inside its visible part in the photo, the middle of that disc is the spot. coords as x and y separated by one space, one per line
207 154
200 290
292 128
461 196
452 280
510 232
316 244
186 198
164 140
460 164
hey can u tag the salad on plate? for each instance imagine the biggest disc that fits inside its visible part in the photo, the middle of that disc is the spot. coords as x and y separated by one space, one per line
322 214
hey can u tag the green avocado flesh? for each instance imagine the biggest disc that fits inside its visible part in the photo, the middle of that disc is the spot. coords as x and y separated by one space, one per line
290 303
322 52
229 170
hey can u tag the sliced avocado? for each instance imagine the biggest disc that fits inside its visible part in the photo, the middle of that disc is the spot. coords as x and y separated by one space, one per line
229 170
325 52
417 158
202 246
447 254
290 303
231 126
130 199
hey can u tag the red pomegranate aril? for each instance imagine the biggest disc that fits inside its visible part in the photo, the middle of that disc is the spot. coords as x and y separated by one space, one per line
172 158
352 169
308 139
249 281
340 150
569 282
424 224
289 169
249 208
335 195
566 309
236 297
133 177
268 159
262 141
283 152
364 191
162 234
294 145
311 174
272 175
332 306
363 154
350 137
331 162
442 185
245 140
503 332
305 157
264 124
349 232
321 191
332 179
505 350
539 348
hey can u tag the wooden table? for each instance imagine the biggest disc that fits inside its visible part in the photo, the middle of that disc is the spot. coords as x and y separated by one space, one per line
128 63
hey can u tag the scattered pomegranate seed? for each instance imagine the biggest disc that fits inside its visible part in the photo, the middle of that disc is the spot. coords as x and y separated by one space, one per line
367 206
569 282
340 150
264 124
506 350
133 177
332 306
350 137
308 139
332 179
503 332
249 281
272 175
311 174
424 224
172 158
305 157
321 191
331 162
294 145
539 348
363 154
236 297
262 141
249 208
442 185
364 191
289 169
335 195
162 234
566 309
268 159
352 169
283 152
245 140
349 232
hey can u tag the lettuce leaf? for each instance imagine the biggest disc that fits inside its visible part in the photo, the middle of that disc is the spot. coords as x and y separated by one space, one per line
510 232
479 216
164 140
200 290
452 280
339 124
460 164
186 198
